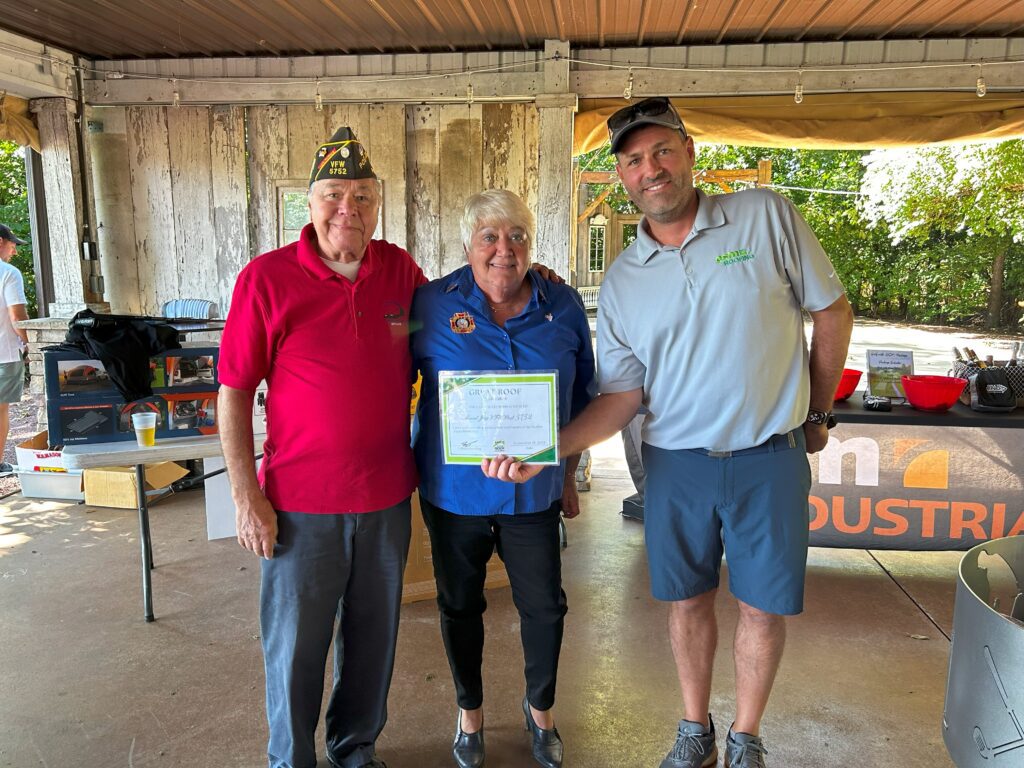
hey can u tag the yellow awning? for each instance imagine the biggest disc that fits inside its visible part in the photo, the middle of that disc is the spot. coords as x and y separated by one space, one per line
829 121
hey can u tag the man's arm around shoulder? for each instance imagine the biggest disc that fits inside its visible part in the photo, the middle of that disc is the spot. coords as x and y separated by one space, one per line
255 518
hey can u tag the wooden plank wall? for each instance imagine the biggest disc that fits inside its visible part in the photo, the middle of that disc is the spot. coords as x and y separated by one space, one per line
179 218
170 204
115 224
283 140
63 203
455 151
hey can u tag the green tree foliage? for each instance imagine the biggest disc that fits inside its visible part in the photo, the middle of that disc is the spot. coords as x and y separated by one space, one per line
964 205
918 239
14 213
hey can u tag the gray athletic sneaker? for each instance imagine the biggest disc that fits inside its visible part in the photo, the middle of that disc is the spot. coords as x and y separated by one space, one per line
744 751
694 747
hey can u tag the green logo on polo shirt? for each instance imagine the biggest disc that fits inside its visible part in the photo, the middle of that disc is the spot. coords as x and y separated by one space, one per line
735 257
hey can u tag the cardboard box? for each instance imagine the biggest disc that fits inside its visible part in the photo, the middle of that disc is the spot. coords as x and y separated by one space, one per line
115 486
419 569
34 455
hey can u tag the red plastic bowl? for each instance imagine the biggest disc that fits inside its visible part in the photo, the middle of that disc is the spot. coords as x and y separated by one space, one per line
933 393
847 384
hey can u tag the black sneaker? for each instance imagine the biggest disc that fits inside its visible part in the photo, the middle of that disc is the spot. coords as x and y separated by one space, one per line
694 747
6 469
744 751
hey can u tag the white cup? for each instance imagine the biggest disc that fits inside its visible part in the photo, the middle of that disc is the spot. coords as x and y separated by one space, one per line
145 428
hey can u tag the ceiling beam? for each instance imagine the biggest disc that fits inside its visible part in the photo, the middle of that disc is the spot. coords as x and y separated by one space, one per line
779 7
513 7
691 5
204 7
884 35
502 86
246 7
467 6
432 20
943 19
388 19
559 19
862 15
308 23
729 18
811 22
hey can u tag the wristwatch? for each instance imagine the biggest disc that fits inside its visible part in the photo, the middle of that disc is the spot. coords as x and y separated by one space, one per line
814 416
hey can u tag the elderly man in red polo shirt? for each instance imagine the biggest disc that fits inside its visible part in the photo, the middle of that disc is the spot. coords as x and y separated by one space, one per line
323 320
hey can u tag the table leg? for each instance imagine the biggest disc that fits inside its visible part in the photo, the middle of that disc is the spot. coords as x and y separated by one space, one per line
147 544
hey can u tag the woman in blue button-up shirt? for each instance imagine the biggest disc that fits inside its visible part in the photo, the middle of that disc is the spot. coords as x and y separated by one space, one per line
497 314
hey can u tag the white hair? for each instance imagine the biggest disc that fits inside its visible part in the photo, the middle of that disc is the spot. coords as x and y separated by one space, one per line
495 206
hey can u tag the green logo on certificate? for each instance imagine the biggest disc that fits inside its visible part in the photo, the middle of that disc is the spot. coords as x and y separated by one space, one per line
484 413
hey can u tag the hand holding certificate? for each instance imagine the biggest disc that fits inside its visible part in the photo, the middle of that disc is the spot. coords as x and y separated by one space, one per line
486 413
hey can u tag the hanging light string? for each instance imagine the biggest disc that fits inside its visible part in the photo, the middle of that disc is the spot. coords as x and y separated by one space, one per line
529 66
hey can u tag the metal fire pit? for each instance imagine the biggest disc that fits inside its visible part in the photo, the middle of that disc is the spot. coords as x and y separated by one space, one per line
984 714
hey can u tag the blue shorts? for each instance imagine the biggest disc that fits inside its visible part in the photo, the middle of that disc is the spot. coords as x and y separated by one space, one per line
753 503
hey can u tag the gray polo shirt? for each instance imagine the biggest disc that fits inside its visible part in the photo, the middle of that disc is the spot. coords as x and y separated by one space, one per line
713 330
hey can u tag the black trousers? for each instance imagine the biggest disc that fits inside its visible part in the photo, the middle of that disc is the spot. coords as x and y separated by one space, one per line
461 545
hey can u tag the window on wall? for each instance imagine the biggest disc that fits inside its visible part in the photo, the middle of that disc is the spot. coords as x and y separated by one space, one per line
628 235
596 242
292 213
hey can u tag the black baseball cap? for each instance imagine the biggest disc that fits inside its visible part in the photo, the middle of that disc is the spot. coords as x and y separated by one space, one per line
6 234
654 111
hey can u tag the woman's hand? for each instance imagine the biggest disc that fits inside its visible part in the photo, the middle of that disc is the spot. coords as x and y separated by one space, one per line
509 470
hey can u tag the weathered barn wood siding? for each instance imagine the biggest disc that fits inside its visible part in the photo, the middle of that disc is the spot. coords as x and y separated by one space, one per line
63 202
115 222
283 140
457 150
230 226
149 167
186 196
170 203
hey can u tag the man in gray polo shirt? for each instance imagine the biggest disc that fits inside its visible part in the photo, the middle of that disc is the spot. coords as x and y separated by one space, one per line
701 321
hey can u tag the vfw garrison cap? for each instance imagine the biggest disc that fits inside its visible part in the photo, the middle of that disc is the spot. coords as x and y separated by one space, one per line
341 157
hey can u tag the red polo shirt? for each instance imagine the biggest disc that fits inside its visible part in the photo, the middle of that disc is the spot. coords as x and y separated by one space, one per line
335 355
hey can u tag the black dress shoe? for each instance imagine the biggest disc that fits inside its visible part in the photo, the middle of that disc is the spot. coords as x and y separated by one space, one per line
468 748
547 744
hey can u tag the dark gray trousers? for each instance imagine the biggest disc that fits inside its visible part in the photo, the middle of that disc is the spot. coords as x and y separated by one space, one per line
340 577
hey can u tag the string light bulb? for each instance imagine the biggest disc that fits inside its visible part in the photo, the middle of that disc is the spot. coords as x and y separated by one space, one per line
979 86
175 96
469 93
318 100
627 92
798 93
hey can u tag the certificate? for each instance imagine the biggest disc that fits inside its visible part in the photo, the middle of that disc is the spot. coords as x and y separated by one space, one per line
484 413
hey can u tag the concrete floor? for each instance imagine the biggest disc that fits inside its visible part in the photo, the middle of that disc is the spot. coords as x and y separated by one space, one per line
85 682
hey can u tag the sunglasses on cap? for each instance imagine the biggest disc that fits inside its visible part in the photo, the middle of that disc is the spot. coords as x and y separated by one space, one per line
654 111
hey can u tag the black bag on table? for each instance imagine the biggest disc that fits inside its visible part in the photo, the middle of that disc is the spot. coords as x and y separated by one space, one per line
124 344
991 391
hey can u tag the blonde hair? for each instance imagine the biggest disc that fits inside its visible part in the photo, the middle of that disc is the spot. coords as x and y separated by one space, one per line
494 206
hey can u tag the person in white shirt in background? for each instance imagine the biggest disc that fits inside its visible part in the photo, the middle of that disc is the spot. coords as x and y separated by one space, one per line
13 340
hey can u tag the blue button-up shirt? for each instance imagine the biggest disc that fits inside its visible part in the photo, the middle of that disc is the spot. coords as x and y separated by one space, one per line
552 332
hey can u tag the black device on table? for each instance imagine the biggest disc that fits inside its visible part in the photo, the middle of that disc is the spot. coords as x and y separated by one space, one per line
877 403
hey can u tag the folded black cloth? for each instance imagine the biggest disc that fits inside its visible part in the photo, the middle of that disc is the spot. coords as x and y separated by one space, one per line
124 344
